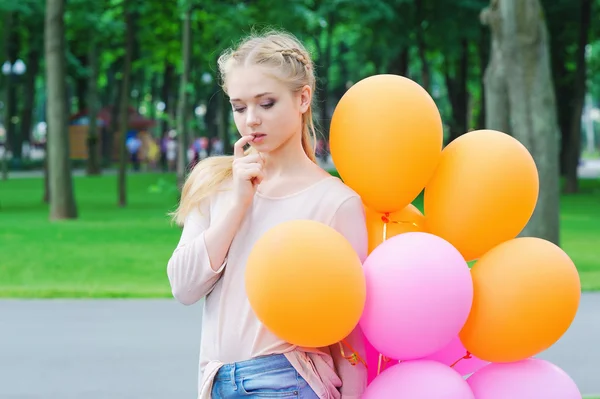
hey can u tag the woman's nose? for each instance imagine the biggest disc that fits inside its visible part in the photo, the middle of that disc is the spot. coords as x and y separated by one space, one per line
252 118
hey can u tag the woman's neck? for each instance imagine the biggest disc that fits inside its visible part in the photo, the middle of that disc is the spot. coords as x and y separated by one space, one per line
287 160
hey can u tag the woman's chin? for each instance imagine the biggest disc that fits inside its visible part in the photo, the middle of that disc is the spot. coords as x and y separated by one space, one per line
261 146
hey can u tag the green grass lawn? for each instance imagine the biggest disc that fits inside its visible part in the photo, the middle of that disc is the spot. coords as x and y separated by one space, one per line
580 232
108 252
122 252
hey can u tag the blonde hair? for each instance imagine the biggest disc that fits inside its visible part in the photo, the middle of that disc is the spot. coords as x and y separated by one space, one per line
291 62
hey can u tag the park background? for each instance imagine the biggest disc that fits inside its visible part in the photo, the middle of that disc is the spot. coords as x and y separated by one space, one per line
84 214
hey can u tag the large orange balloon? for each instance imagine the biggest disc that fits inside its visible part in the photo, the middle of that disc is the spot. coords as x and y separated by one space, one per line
305 283
386 139
409 219
483 192
526 295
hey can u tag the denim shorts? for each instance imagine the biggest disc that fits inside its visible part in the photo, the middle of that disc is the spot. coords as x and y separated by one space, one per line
263 377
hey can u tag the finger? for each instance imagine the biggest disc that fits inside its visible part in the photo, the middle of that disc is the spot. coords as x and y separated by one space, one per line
249 159
238 148
250 173
258 179
252 165
247 166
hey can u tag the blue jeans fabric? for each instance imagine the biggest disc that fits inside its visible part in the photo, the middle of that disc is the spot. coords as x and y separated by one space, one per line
262 377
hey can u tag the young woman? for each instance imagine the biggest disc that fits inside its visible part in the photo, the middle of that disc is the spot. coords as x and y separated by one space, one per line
230 202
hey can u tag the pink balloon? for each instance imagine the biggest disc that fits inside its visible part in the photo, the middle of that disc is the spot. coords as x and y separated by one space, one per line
419 295
372 356
451 354
526 379
419 379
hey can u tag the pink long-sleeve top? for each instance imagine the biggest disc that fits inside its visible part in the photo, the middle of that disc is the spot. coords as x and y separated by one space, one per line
231 331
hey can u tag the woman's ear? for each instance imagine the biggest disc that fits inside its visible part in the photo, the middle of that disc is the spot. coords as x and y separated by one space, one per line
305 98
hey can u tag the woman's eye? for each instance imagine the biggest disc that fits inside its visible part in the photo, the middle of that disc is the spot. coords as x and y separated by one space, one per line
239 109
268 105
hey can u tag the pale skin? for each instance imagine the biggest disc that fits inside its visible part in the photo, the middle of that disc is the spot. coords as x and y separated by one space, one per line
268 116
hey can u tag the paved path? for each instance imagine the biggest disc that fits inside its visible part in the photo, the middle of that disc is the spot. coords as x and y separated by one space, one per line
148 349
589 169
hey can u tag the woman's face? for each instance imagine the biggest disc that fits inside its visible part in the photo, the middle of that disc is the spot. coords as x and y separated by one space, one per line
266 108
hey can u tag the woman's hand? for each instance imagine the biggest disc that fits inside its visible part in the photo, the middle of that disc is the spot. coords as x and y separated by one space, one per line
247 172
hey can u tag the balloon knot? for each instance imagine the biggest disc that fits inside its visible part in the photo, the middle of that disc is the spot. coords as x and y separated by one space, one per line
386 217
354 358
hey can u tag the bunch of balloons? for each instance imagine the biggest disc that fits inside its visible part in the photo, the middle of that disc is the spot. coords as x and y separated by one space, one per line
429 320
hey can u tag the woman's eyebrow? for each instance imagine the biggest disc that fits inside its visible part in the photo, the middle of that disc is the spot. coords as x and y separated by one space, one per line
256 96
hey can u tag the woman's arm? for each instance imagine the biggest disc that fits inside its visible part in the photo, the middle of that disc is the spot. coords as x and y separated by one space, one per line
201 255
350 221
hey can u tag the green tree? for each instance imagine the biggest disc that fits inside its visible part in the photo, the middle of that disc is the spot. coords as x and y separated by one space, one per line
62 200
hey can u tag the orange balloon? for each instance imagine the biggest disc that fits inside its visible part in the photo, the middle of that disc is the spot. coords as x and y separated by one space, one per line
526 295
386 140
305 283
409 219
483 192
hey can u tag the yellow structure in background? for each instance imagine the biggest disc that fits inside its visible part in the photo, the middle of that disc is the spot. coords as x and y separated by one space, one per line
78 146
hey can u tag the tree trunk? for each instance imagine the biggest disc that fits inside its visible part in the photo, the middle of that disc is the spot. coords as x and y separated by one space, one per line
113 130
62 201
562 19
494 77
483 53
401 63
522 36
213 104
422 46
81 84
166 96
564 86
325 80
573 144
182 113
457 91
46 196
93 162
344 72
33 67
222 115
15 139
7 28
154 95
124 106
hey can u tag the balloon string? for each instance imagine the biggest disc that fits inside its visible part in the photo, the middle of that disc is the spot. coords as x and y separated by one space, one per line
467 356
385 219
353 358
403 222
383 361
